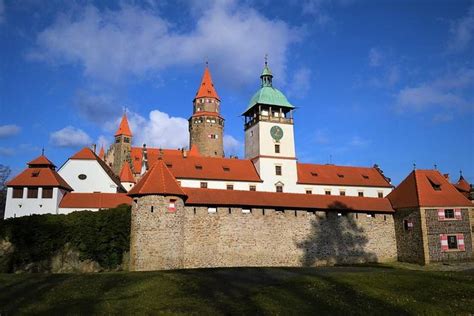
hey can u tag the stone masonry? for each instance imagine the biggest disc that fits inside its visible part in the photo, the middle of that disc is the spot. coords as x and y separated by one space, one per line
191 237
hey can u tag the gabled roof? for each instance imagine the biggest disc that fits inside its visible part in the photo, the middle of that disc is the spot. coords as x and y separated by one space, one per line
426 188
41 161
340 175
94 200
124 128
158 180
213 197
102 153
206 89
126 174
87 154
40 173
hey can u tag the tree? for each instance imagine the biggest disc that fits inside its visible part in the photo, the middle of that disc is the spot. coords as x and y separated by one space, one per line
4 174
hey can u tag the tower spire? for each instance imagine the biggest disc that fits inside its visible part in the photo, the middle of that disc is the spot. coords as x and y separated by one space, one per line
266 75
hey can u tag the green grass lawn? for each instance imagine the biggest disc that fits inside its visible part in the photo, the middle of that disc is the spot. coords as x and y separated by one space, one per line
336 290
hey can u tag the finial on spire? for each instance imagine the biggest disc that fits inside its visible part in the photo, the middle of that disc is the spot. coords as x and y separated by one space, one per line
414 166
207 61
435 167
460 173
42 151
266 59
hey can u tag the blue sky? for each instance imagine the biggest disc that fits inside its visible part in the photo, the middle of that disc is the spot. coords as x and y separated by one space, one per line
386 82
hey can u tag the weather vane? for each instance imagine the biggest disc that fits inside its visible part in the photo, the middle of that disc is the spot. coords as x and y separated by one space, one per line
266 59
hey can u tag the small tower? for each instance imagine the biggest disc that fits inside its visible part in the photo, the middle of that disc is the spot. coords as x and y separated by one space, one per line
126 177
206 125
158 221
269 136
122 146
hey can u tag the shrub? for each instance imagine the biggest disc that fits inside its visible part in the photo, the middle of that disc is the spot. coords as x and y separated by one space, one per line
102 236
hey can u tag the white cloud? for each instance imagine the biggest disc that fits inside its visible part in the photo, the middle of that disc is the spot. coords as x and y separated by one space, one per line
159 130
448 91
70 137
462 32
112 44
318 8
375 57
9 130
301 83
232 147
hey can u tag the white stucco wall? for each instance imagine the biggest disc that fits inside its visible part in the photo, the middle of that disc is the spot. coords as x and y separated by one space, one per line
26 206
258 140
128 185
97 179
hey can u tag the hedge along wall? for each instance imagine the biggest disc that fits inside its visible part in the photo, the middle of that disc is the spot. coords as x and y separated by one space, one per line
103 237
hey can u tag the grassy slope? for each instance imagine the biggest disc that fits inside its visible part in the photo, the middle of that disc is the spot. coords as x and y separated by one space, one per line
342 290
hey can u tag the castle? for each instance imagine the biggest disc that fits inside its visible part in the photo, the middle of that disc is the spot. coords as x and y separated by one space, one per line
197 208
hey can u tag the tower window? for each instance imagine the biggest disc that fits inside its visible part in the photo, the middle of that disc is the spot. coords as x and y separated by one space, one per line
32 193
203 185
126 139
278 170
47 193
277 148
17 193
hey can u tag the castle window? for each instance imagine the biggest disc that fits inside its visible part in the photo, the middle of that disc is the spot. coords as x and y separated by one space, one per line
211 210
277 148
372 215
342 193
32 193
203 185
230 187
452 242
278 170
449 213
126 139
151 209
172 206
253 188
327 192
47 193
198 167
213 121
309 191
279 188
360 193
407 224
380 194
245 211
17 193
82 176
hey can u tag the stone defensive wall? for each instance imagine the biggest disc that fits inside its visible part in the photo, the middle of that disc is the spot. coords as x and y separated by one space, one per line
194 237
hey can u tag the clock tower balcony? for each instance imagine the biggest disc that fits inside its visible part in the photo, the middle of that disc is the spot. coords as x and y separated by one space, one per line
252 120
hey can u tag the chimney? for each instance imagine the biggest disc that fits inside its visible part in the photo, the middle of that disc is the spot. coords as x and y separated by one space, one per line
184 152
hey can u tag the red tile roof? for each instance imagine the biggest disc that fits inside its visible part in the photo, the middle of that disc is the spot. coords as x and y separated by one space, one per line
41 161
206 89
40 173
124 129
206 113
84 154
194 151
426 188
340 175
94 200
152 155
463 185
229 198
158 180
126 174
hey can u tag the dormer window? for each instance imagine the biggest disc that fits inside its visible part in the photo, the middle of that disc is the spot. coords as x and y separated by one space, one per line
226 169
35 173
340 175
198 167
435 184
169 165
314 174
365 176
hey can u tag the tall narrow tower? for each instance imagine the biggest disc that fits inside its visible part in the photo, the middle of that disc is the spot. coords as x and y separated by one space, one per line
269 137
206 125
122 146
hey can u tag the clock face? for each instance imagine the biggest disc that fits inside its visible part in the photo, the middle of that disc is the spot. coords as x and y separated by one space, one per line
276 132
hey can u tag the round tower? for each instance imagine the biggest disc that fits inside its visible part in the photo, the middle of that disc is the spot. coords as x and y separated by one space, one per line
206 125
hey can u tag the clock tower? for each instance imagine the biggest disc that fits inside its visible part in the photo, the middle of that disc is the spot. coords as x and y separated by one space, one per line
269 137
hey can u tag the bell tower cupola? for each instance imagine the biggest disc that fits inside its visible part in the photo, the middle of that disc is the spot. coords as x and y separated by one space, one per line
206 125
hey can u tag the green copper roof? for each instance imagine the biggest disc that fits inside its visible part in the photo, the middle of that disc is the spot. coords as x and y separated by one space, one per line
270 96
267 94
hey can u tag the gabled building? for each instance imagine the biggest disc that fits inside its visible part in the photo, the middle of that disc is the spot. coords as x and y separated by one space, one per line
36 190
431 219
